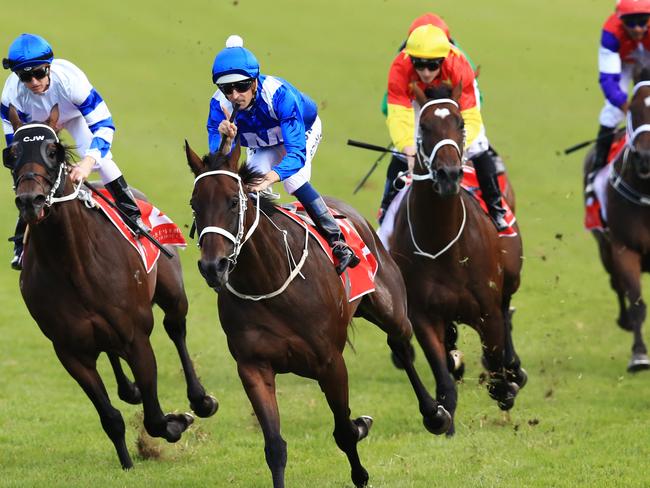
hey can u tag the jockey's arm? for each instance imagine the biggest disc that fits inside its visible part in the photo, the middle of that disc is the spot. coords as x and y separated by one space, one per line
609 67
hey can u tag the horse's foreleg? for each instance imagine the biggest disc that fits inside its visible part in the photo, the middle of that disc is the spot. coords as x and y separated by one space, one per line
170 297
259 384
626 265
85 373
347 433
431 336
143 364
126 389
514 372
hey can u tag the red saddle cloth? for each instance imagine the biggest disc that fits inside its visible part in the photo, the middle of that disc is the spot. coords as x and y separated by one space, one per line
162 229
594 213
357 281
470 183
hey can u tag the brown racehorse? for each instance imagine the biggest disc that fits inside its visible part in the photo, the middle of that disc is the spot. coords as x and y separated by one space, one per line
276 325
89 292
625 246
455 266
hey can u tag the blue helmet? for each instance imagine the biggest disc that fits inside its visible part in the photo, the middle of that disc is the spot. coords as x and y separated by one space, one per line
234 63
28 50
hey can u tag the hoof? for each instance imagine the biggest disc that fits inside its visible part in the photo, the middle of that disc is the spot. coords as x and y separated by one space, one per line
439 422
363 423
176 425
206 408
504 392
638 362
456 364
360 478
520 377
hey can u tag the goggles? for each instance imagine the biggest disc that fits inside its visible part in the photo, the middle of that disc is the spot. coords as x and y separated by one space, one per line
240 86
38 73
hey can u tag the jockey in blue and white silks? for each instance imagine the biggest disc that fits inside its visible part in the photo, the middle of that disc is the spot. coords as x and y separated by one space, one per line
279 126
37 83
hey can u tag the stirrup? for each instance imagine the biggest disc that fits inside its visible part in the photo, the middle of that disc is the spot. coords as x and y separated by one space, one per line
499 222
15 262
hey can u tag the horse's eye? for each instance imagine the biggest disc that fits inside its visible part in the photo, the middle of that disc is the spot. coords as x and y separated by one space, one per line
234 203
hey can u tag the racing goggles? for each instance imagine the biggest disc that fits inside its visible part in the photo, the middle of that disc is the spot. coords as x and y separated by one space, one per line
633 21
38 73
240 86
430 64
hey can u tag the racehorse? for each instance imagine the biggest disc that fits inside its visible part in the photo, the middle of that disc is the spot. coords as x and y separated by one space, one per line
89 292
455 266
625 245
277 324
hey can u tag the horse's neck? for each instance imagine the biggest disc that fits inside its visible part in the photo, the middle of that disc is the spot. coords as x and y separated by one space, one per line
437 219
261 265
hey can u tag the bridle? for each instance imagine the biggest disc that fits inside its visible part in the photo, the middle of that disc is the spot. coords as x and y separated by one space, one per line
426 161
239 240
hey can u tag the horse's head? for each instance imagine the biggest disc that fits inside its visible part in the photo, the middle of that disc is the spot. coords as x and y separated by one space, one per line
440 138
638 124
36 159
219 202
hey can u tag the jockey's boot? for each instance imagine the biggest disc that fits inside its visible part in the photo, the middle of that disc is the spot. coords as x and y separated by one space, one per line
486 174
396 166
17 239
330 230
498 161
603 145
125 202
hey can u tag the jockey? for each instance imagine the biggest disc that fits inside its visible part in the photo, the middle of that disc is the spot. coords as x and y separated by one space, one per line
625 39
398 164
36 84
429 60
281 130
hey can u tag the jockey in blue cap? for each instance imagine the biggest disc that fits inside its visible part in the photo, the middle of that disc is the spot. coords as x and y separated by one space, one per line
37 83
281 130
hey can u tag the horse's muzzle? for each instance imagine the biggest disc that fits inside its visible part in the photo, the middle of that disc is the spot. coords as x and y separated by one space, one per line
31 206
447 182
215 272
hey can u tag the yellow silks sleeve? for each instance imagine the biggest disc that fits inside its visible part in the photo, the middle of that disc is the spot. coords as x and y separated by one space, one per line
473 122
401 126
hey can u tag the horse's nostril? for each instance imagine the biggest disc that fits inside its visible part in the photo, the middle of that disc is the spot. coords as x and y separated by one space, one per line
222 265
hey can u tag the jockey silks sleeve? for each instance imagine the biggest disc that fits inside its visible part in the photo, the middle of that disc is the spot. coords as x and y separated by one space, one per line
455 69
280 114
617 48
73 93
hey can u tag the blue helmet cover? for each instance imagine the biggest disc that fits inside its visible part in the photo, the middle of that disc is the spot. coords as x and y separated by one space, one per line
235 60
26 51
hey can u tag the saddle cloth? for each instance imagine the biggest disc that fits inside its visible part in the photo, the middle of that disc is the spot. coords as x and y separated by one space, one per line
162 229
596 205
357 281
468 183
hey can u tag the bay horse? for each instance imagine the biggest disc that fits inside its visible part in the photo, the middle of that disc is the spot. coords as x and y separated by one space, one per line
624 246
455 266
250 254
89 292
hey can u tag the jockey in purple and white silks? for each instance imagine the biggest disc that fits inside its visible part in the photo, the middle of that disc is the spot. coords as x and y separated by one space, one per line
37 83
279 126
625 39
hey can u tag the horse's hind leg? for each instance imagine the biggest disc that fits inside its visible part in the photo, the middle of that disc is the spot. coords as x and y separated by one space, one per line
85 373
514 372
382 309
347 433
170 297
143 364
455 362
259 384
126 389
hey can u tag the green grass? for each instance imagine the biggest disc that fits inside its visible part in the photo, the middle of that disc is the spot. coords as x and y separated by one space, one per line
581 420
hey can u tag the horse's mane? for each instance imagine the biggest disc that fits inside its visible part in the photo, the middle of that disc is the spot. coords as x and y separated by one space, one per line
437 92
248 175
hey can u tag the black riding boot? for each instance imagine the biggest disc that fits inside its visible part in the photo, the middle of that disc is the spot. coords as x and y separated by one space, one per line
329 229
125 201
390 189
17 239
603 145
486 174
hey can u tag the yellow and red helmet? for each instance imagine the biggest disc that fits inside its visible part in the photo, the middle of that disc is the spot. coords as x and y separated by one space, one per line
428 42
632 7
432 19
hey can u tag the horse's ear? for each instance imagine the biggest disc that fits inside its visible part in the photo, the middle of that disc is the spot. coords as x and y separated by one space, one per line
193 160
457 91
233 158
53 119
420 97
14 118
